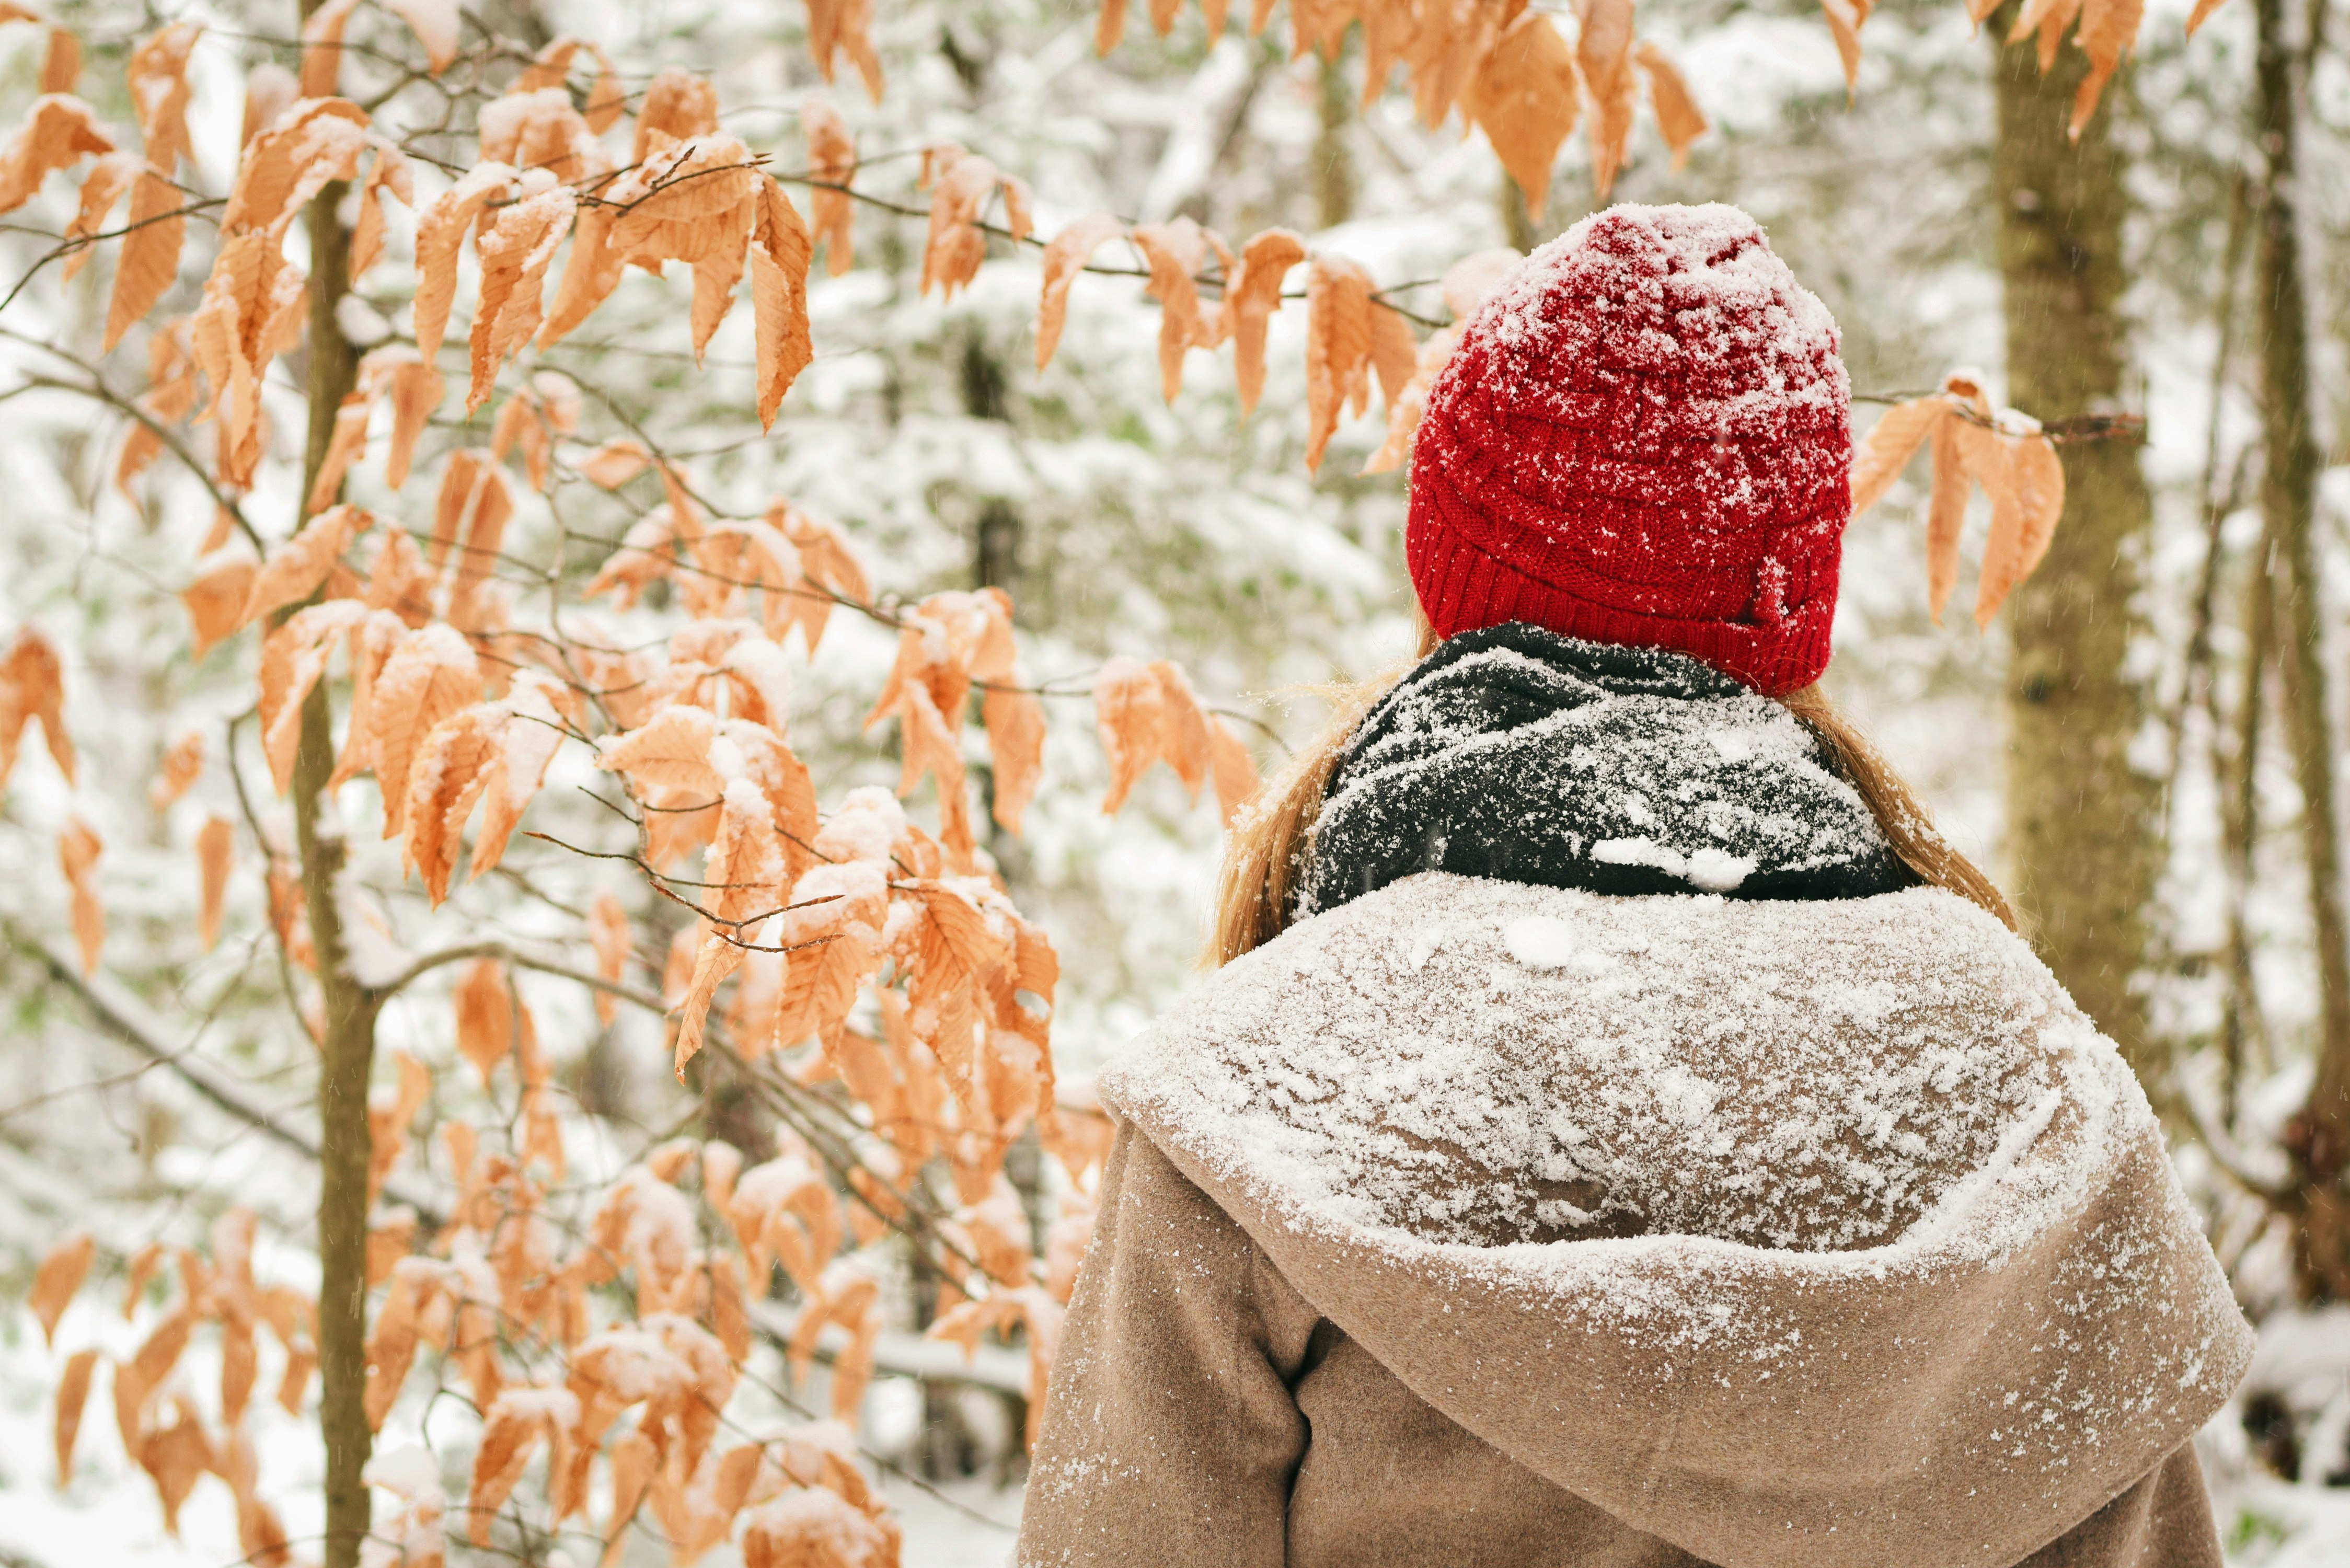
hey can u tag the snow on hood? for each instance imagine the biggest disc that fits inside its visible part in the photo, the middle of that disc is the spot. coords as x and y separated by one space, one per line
1811 1232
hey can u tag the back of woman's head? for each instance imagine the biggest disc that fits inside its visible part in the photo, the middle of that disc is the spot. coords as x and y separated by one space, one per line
1643 439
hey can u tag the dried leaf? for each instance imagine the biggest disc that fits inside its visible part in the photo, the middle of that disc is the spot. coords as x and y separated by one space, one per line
389 175
61 62
1129 713
2108 29
515 248
434 22
832 161
1015 733
157 76
678 106
2201 13
431 674
1183 726
835 26
1250 302
59 1278
486 1014
1524 97
440 234
79 848
1176 251
779 256
292 656
295 569
415 389
215 852
58 131
615 464
270 89
108 179
1845 20
32 685
609 934
73 1392
1886 451
1064 256
345 446
450 770
182 763
1603 51
1237 780
960 185
2025 479
1338 346
1679 119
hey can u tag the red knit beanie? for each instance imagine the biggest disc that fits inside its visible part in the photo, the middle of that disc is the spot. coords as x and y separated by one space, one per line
1644 438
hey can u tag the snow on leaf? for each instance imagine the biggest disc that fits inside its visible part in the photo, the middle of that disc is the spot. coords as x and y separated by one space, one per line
157 77
103 186
439 235
1065 255
431 674
447 777
292 656
58 130
295 569
678 107
59 1279
515 249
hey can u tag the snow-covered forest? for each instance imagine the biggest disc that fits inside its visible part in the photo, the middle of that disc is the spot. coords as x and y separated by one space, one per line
593 593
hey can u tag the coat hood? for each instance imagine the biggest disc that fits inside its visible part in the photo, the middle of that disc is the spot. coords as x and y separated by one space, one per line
1804 1232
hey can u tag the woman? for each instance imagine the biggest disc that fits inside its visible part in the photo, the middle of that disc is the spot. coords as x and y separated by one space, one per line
1622 1131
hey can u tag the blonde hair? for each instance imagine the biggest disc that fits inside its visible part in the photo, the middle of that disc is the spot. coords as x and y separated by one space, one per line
1261 858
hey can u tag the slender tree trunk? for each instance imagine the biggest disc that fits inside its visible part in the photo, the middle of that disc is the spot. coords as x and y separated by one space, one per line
347 1052
1334 163
2083 824
2319 1138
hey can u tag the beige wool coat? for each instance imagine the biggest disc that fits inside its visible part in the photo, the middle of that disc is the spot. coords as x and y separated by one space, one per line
1478 1224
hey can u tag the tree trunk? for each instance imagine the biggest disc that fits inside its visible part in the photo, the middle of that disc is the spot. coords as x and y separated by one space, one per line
2083 823
1334 163
2319 1138
347 1052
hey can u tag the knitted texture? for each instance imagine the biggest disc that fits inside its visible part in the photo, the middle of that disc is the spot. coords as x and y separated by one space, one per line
1644 438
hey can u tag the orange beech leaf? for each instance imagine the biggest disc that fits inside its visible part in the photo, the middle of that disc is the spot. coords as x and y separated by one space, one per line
59 1278
1394 355
2049 19
961 185
73 1393
678 106
108 179
1110 23
520 424
32 685
1176 251
779 256
1250 301
292 656
1604 52
517 1422
58 130
441 231
1016 731
1946 510
829 567
535 729
1065 255
1886 451
295 569
157 76
270 89
1183 726
832 161
183 761
2108 30
1338 346
444 779
696 201
615 464
1524 98
1845 20
1129 711
149 262
322 47
60 62
742 876
215 853
434 22
140 1269
429 675
671 751
515 249
590 274
415 389
536 131
1234 767
2201 13
400 581
345 446
609 934
643 555
372 644
78 849
485 1017
388 174
838 25
2021 528
1679 119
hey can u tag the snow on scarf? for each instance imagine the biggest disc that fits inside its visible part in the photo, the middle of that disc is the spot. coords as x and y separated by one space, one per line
1516 753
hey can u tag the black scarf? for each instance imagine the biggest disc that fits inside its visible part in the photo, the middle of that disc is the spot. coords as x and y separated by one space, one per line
1515 754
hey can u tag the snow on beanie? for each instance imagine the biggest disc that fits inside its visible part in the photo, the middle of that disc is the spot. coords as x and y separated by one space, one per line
1645 439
